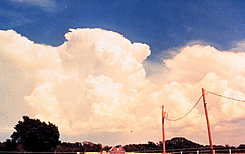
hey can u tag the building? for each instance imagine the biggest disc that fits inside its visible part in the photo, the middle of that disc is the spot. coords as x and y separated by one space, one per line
117 150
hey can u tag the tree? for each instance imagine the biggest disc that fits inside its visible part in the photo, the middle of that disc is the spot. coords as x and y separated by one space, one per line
106 148
10 145
35 135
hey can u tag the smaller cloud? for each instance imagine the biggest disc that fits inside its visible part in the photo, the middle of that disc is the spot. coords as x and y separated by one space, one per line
47 5
11 18
239 46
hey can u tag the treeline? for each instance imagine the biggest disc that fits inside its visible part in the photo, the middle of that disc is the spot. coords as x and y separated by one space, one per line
178 144
81 147
174 145
61 147
36 136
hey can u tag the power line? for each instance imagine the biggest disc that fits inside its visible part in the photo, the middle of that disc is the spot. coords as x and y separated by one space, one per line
234 99
199 101
186 113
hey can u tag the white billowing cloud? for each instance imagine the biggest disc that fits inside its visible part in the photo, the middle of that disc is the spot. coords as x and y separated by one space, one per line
94 87
22 64
222 72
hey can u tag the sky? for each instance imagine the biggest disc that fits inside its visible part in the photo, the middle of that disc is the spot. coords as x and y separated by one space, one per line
101 70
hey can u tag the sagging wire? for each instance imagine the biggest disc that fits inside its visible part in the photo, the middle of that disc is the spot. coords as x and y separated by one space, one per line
234 99
184 114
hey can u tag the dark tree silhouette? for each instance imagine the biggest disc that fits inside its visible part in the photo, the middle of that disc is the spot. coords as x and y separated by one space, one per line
35 135
10 145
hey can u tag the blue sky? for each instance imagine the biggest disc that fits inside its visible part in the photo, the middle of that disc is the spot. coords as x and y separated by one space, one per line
160 24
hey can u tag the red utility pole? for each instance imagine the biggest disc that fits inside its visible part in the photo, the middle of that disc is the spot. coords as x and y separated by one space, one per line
163 132
208 125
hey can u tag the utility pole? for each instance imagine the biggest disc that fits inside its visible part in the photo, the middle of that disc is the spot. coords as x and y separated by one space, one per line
208 125
163 131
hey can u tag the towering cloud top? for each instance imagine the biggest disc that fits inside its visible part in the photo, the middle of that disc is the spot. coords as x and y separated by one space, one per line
94 87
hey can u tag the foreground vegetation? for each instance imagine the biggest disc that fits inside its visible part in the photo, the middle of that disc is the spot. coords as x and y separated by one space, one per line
34 135
175 144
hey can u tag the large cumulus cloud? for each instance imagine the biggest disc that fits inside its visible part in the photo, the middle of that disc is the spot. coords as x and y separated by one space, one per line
94 87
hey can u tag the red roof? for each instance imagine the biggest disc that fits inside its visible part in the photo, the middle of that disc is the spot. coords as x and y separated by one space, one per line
117 149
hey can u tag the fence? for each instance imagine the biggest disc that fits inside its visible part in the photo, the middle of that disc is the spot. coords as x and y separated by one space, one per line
206 150
172 151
